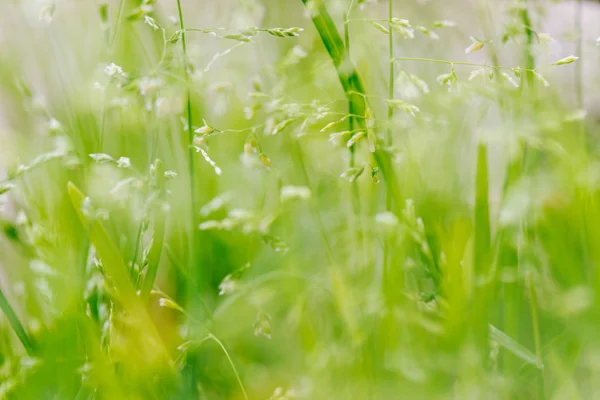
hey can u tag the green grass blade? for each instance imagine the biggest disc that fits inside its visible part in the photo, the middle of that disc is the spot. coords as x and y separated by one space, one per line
350 81
158 237
116 269
514 347
15 323
107 251
481 253
482 214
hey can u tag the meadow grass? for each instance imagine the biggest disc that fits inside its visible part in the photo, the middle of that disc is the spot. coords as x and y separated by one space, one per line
303 201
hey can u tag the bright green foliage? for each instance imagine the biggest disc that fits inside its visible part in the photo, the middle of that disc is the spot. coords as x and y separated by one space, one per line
300 199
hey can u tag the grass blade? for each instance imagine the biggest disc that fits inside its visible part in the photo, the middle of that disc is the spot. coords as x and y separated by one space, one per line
482 214
113 263
15 323
158 237
350 81
514 347
116 269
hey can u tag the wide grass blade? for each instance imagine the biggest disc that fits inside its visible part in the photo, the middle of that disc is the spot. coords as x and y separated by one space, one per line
112 261
351 82
116 270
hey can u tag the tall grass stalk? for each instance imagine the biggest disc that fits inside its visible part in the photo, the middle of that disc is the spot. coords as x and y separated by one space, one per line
190 131
536 335
515 170
350 81
391 85
358 226
529 37
468 288
482 256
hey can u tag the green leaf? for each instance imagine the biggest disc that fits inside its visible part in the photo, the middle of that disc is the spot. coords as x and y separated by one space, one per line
482 240
114 265
159 233
15 323
117 273
514 347
350 81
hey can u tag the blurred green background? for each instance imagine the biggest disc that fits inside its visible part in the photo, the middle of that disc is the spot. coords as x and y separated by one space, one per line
307 242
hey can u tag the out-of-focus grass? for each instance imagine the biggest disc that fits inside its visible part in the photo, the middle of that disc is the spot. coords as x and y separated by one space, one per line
299 252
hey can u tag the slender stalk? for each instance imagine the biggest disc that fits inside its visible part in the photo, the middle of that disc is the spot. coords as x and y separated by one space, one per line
158 236
117 22
235 371
512 306
350 104
579 45
391 81
579 70
138 240
192 176
351 126
433 60
313 208
536 335
350 81
482 218
15 323
389 140
481 250
529 33
110 49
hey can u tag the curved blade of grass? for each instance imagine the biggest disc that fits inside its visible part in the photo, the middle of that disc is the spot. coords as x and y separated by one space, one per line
350 80
514 347
158 237
114 265
116 269
14 322
215 339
